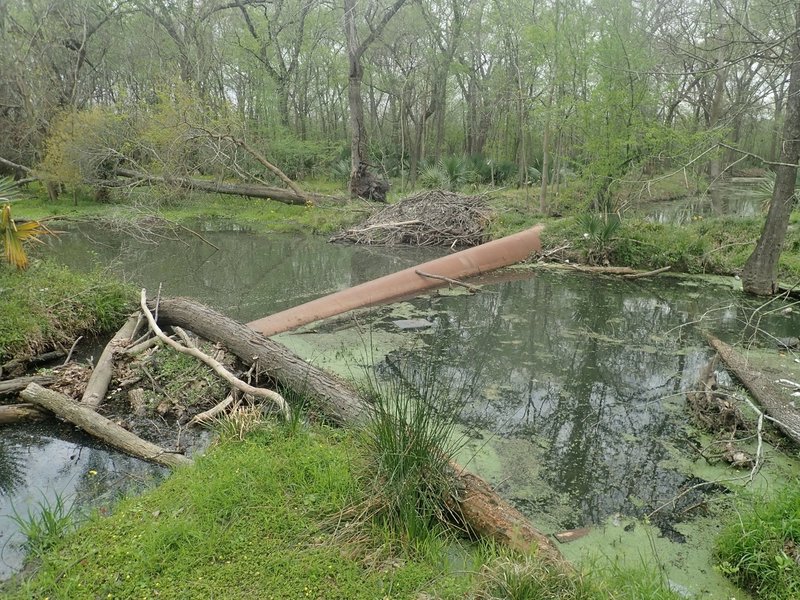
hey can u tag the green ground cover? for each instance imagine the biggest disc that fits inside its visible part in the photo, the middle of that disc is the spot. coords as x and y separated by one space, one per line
712 245
48 305
760 550
270 515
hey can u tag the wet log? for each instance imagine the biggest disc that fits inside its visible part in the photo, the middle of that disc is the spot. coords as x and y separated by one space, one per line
233 189
762 388
484 512
97 387
408 282
12 386
337 398
14 413
18 366
102 428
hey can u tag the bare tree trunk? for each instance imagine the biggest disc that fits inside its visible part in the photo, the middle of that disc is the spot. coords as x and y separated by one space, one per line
760 272
363 184
98 383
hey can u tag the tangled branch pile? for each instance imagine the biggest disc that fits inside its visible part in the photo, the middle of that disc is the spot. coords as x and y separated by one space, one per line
431 218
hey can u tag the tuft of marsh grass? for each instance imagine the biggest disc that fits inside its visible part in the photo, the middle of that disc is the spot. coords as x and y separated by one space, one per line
411 435
760 551
504 575
44 526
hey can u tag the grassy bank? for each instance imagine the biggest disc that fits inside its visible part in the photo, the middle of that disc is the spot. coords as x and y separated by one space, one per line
760 550
270 516
49 305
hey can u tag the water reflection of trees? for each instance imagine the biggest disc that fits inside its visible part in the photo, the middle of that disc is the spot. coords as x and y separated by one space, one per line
581 366
11 468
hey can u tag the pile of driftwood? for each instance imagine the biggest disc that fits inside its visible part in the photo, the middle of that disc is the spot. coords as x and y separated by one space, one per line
432 218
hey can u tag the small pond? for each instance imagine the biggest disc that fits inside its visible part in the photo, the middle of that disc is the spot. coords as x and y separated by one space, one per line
571 386
736 197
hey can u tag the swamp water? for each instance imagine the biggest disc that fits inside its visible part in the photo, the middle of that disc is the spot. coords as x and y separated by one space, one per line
736 197
572 385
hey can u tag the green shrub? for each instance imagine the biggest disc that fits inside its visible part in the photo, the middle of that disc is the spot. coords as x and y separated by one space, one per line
760 550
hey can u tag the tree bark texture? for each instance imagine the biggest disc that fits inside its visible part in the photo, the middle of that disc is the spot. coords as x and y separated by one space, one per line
14 413
760 272
100 379
762 388
102 428
12 386
484 512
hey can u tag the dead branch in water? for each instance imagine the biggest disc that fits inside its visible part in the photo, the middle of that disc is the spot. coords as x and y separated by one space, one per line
98 426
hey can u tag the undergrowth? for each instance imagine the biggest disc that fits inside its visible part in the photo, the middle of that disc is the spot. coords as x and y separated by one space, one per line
760 550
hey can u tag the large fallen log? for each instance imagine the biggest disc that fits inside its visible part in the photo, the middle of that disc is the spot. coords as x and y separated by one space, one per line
763 389
14 413
408 282
233 189
335 398
484 512
97 387
100 427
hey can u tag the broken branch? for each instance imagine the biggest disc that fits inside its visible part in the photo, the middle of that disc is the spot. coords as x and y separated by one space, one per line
215 365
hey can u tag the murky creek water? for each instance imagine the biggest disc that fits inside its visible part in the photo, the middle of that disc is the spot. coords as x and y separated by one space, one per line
737 197
571 384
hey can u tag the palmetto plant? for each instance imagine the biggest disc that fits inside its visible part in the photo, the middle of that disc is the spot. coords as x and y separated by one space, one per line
14 235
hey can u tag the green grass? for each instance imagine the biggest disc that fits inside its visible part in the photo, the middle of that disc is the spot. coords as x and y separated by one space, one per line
259 214
44 527
760 550
713 245
48 305
253 519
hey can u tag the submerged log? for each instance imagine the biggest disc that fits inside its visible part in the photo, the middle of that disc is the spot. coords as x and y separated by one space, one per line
408 282
97 387
102 428
14 413
484 512
762 388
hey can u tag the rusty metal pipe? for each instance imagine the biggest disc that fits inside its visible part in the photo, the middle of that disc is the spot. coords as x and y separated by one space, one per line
467 263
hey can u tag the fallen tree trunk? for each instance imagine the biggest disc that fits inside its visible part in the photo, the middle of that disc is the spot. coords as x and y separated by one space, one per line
484 512
12 386
214 364
408 282
334 397
233 189
14 413
19 365
763 389
97 387
102 428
